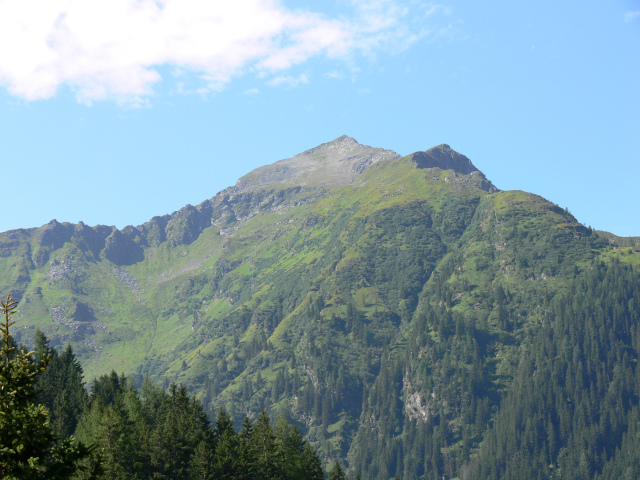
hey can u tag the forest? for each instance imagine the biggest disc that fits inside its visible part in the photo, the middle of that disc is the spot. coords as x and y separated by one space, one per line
571 411
51 427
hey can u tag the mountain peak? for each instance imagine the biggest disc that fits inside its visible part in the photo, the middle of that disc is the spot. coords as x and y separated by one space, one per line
345 139
340 145
444 157
330 164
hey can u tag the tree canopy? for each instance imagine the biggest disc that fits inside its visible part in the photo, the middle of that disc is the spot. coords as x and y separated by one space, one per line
29 448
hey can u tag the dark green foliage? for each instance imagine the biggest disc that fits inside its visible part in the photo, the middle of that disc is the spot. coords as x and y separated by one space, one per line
571 410
167 435
336 472
625 464
29 449
573 403
60 387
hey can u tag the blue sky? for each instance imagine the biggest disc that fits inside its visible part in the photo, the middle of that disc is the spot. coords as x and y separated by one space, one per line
114 111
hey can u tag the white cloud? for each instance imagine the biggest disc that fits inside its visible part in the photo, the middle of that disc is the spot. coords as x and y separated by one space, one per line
113 48
288 81
630 16
251 91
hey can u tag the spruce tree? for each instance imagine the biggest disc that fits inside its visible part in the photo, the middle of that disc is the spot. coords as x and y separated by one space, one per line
312 467
28 447
337 473
290 444
264 443
247 452
60 387
227 461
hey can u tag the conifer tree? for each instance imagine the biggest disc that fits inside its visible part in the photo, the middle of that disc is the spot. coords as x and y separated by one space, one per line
288 449
337 473
247 452
264 443
28 447
312 467
61 386
227 463
201 467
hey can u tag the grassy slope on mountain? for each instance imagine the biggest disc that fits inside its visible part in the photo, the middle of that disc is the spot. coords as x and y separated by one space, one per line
354 279
401 299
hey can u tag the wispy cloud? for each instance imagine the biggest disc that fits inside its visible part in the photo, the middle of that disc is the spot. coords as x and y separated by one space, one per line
631 16
114 49
333 74
289 81
251 91
393 25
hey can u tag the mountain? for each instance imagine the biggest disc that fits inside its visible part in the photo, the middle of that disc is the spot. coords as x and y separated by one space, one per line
383 303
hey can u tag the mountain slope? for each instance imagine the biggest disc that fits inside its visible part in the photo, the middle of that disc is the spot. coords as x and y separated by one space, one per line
352 289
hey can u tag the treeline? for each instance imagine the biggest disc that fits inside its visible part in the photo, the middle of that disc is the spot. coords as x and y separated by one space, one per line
160 434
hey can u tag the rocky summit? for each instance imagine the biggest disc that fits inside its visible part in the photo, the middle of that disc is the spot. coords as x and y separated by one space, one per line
329 165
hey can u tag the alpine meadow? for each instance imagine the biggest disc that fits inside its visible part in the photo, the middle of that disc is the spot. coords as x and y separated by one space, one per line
368 314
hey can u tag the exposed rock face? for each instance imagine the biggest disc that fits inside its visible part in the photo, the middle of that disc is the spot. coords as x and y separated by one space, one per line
80 312
51 237
186 224
154 230
289 182
121 249
445 158
416 407
129 280
331 164
54 234
91 239
79 318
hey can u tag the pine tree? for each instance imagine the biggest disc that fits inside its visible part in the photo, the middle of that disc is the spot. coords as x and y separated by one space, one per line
202 460
61 386
28 447
115 435
311 465
290 445
264 443
247 454
337 473
227 462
